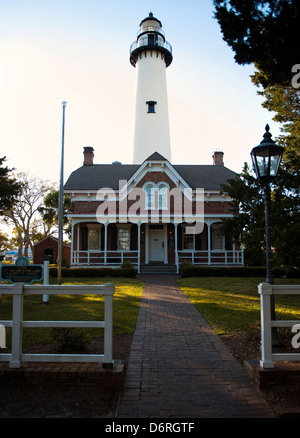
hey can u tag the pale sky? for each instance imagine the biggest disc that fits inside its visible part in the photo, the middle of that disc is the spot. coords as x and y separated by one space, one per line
78 51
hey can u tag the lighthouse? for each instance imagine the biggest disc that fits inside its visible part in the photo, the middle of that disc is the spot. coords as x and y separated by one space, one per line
151 54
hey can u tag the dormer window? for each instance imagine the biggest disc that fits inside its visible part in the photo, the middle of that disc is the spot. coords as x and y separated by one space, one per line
150 196
151 106
156 196
163 197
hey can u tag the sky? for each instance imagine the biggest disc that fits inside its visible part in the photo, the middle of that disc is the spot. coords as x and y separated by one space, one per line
78 51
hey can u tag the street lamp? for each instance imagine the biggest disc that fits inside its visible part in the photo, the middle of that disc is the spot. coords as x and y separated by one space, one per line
266 159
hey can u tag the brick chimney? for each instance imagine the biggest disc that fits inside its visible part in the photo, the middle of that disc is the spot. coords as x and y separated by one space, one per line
218 158
88 154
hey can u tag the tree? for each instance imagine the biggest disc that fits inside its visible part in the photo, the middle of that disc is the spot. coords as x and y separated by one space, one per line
263 33
5 243
22 214
49 211
9 187
247 223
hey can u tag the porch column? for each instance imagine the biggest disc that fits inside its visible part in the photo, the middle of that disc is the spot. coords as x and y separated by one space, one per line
208 244
78 244
105 242
139 246
242 254
72 244
147 243
176 247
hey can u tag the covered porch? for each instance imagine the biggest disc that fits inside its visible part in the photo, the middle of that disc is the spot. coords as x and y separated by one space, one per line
144 244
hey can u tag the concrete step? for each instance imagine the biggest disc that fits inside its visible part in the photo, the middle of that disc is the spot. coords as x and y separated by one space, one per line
158 269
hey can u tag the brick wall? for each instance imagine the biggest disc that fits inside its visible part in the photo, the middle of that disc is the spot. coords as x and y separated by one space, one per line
50 245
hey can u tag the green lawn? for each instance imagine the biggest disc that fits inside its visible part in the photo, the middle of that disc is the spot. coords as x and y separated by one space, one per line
228 304
126 302
233 304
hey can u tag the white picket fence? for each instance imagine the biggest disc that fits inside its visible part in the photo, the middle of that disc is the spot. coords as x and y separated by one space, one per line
266 291
18 290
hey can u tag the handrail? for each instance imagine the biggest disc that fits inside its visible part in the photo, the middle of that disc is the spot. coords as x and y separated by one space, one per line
18 290
144 42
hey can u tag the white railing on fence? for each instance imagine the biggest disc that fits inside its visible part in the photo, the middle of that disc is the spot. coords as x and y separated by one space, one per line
18 291
266 291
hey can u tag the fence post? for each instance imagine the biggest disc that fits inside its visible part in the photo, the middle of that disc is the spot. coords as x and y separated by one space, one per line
17 316
46 279
265 291
108 332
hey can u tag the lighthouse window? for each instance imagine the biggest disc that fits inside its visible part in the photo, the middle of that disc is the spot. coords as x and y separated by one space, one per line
151 106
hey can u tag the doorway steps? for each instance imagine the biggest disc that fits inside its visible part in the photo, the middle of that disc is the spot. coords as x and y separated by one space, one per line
154 268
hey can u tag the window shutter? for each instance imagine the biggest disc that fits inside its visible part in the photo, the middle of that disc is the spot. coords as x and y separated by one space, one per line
179 237
102 238
198 242
114 238
133 238
84 238
228 244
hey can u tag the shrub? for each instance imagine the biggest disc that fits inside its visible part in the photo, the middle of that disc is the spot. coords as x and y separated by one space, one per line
68 340
126 264
128 272
239 271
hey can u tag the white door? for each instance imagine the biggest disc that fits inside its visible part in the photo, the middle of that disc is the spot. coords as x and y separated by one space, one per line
157 250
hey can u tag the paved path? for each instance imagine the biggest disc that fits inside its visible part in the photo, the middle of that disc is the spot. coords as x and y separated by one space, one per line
178 366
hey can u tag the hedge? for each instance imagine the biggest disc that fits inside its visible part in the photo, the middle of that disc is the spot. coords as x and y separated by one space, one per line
203 271
94 272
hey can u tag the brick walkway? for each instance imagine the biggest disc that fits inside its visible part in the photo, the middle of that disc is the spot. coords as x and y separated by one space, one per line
178 367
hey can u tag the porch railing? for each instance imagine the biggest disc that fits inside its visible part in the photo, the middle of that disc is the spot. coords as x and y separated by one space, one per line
104 258
213 257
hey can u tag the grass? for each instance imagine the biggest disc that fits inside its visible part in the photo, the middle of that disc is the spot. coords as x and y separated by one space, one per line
126 302
233 304
228 304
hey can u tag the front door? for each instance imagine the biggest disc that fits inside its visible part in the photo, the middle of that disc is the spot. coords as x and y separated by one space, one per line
157 249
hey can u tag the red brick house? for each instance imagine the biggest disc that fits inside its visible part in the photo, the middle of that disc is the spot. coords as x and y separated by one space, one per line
49 246
143 213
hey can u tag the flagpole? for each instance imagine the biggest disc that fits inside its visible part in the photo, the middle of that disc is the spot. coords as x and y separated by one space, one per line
61 201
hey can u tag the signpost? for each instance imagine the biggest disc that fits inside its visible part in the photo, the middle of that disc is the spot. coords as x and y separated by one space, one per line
21 272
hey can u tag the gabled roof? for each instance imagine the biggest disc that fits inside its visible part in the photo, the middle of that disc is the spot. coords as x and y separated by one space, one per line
156 157
50 238
100 175
97 176
208 177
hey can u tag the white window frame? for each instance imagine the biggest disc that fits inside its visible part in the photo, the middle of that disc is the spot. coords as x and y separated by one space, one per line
218 238
96 242
121 228
153 195
163 197
191 237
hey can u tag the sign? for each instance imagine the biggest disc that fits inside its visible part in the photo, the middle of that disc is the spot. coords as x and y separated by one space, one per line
21 272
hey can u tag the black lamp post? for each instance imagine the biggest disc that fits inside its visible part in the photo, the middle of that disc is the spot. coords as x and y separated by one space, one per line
266 159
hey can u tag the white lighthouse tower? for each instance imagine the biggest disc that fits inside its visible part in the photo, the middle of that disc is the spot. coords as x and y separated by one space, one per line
151 54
